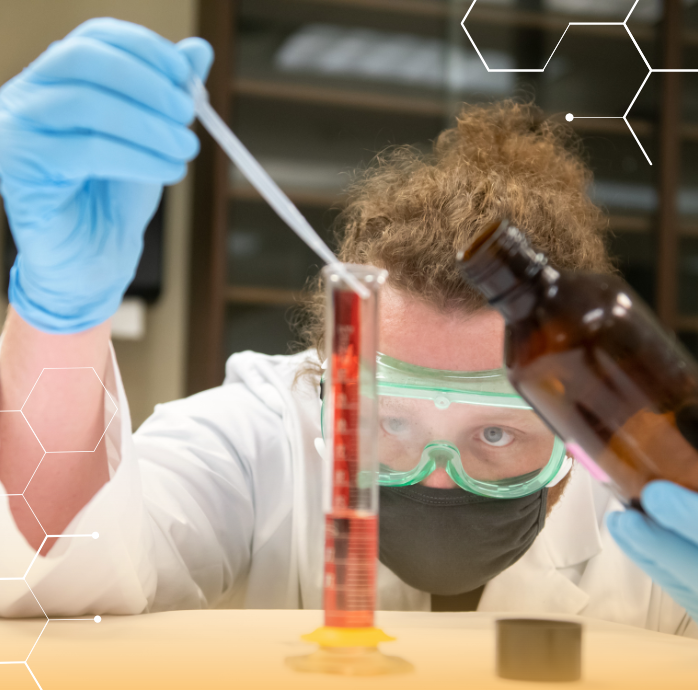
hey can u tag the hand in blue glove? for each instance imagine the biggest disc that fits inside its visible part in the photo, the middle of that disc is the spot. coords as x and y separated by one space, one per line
89 134
664 543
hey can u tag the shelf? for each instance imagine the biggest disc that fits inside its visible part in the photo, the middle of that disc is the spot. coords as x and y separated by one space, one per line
344 98
629 224
551 22
321 95
620 223
555 22
263 296
250 295
360 100
300 197
642 128
418 8
319 199
644 224
686 324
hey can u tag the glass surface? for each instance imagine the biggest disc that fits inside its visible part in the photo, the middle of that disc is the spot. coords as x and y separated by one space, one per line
341 55
689 339
635 255
577 78
623 180
691 17
687 200
493 443
323 86
262 328
350 402
688 192
263 251
559 12
688 274
349 425
689 92
322 144
427 17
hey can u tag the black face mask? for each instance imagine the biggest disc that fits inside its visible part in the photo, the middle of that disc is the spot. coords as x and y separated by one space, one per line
449 541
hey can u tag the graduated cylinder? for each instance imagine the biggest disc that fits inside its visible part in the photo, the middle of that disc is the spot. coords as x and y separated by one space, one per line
350 430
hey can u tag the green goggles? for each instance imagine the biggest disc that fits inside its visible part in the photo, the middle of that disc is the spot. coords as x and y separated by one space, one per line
472 425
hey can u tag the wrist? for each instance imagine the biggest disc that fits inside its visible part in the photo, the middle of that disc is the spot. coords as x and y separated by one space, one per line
26 351
56 312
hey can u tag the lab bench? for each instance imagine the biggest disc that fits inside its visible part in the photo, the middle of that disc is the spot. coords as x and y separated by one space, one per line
247 649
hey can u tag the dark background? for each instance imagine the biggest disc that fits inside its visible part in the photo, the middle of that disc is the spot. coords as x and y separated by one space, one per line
316 87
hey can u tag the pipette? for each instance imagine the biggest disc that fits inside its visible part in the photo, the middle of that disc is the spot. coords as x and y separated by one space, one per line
263 183
348 640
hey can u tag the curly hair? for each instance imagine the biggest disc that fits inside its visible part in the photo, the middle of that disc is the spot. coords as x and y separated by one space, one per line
410 212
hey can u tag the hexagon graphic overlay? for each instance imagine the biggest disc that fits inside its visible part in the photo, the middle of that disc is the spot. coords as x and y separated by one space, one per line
570 116
31 432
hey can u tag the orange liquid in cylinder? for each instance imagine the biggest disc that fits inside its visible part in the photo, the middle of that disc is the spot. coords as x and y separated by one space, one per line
351 550
351 532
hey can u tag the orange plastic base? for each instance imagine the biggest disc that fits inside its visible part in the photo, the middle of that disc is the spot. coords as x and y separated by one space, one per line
347 637
348 652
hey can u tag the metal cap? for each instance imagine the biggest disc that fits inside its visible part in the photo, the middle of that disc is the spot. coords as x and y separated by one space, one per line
539 650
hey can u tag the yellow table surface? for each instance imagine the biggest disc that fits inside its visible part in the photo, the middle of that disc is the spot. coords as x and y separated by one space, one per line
246 649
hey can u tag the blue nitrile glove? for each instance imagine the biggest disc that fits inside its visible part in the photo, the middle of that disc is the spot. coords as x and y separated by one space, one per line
664 543
89 134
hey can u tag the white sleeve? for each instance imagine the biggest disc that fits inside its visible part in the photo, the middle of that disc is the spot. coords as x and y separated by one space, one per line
174 521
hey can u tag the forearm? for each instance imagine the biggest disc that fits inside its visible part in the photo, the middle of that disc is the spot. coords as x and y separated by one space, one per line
90 133
66 411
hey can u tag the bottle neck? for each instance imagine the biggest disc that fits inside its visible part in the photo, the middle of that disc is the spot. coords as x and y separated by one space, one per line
506 269
520 302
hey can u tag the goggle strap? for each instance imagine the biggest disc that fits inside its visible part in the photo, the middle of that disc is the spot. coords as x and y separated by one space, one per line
562 472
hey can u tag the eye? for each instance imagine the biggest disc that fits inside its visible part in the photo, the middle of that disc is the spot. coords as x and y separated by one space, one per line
394 425
496 436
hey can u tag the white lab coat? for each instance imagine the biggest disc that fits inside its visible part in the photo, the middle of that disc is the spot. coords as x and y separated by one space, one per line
216 502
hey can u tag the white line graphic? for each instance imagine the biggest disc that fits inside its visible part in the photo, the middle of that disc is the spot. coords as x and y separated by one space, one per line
569 117
91 535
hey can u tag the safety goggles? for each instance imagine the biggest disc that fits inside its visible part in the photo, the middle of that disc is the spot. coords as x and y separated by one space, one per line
472 424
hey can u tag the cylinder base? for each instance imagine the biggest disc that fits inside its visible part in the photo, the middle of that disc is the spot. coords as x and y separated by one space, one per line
349 652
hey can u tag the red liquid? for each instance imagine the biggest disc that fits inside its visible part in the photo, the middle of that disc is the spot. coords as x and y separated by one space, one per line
351 534
351 549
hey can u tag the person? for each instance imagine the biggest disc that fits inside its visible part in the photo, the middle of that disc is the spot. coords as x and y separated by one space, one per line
216 500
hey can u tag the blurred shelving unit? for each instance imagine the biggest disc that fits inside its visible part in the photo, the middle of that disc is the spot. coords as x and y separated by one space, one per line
316 87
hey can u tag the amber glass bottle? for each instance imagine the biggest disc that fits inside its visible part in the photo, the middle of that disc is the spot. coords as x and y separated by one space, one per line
594 362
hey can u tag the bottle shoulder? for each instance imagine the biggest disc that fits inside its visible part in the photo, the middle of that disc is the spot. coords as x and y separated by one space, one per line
578 299
579 309
582 293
